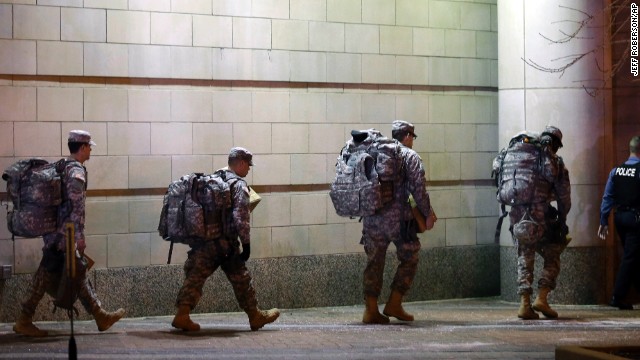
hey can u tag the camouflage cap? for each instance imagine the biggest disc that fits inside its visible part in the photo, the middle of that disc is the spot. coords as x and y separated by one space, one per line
239 153
401 125
553 131
81 136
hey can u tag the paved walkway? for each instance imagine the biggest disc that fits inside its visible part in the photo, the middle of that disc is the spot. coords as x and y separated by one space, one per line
451 329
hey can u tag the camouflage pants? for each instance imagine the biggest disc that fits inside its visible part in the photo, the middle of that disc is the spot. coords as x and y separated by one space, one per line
526 256
203 260
377 235
47 279
548 249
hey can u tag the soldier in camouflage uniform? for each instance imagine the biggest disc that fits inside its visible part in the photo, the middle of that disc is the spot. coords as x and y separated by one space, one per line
205 257
393 224
49 273
548 238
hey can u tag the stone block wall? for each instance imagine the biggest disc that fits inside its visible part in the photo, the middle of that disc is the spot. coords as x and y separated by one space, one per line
168 87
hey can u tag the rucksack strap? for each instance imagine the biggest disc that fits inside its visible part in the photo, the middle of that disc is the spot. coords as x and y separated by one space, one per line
170 252
504 213
231 179
194 186
61 164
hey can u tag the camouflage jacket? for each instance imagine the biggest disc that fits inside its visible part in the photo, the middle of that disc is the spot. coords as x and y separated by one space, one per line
238 223
412 181
561 191
72 209
415 183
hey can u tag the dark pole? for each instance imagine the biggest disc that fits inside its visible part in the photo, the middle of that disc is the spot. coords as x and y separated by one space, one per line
71 273
170 252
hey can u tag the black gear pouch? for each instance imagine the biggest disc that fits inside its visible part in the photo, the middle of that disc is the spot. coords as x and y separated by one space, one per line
409 231
556 232
52 260
68 289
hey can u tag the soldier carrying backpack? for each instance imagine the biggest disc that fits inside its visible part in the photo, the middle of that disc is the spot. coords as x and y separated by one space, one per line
374 178
71 212
211 250
529 176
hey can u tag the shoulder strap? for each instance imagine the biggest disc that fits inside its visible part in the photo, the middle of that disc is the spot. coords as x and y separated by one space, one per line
538 172
222 173
61 164
498 172
232 181
194 186
503 214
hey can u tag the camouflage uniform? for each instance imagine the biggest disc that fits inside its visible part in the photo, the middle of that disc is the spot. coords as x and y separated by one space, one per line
72 210
203 259
50 276
554 241
553 184
394 224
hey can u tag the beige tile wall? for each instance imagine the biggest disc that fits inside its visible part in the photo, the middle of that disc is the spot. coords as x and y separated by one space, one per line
167 87
85 25
447 29
6 21
59 58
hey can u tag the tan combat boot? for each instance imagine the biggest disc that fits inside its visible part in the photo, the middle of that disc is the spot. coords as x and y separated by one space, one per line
394 307
541 304
25 326
183 321
259 318
371 313
104 319
526 312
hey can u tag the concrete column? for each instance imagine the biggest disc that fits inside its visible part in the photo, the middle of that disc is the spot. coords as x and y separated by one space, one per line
530 98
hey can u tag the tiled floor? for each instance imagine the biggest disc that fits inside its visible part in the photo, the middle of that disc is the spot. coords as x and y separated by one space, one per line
451 329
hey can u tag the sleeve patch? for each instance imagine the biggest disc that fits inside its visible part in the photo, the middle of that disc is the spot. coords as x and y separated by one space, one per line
78 175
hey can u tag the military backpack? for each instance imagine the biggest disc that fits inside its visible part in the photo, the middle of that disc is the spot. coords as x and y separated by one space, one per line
366 169
34 187
193 208
517 171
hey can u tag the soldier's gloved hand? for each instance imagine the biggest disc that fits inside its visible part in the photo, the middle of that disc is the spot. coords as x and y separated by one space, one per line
246 252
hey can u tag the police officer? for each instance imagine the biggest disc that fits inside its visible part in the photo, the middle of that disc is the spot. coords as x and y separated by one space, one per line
622 192
48 275
204 258
393 224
